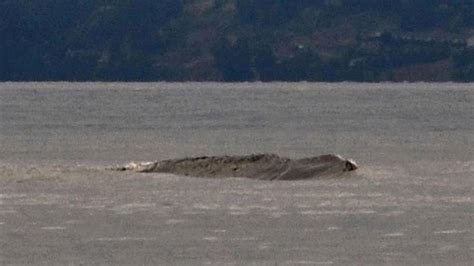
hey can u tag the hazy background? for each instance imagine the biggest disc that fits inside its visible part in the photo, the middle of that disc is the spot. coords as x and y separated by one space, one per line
230 40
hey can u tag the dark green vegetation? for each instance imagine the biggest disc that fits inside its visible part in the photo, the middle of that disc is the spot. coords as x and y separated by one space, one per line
230 40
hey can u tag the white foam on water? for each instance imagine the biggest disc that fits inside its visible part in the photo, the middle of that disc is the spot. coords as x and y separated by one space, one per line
73 222
52 228
12 196
206 206
447 248
457 199
7 211
236 208
337 212
252 207
193 212
132 207
248 238
94 206
265 245
175 221
278 214
123 238
238 213
308 262
326 203
450 231
396 234
210 238
33 199
393 213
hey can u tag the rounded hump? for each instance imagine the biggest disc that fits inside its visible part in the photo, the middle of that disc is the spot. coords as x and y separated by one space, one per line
255 166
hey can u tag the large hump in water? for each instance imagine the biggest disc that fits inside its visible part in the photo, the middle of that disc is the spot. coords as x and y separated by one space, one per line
259 166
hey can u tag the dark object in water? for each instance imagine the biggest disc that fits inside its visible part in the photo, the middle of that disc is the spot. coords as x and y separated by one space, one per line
258 166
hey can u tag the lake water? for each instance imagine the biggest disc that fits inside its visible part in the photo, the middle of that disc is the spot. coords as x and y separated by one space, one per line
410 203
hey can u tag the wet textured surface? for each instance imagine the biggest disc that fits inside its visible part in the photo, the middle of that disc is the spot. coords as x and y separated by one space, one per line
255 166
410 203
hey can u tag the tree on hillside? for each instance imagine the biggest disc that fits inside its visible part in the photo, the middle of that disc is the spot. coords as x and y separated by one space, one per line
234 61
265 63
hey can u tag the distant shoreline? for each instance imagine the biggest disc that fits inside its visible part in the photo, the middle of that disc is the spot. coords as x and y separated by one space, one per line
230 40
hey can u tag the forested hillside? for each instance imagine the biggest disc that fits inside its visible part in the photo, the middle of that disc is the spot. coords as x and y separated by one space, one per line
237 40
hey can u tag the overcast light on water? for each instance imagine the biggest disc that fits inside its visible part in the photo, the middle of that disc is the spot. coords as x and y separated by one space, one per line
409 203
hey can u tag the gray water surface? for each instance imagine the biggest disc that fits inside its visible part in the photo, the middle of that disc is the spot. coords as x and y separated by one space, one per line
410 203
